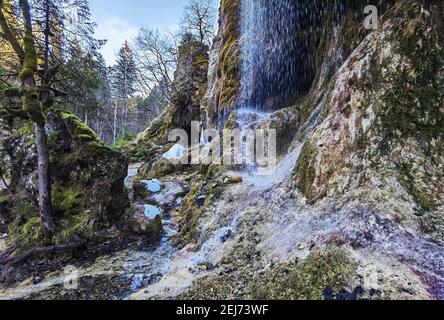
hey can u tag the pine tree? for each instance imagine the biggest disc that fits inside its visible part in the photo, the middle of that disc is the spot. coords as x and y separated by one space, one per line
124 81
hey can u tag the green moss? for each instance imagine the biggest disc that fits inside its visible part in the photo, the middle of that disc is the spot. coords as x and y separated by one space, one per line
26 129
189 213
79 130
86 155
124 142
168 123
327 268
30 62
330 268
162 168
67 199
81 225
33 107
231 123
188 216
12 92
305 171
413 107
29 235
229 68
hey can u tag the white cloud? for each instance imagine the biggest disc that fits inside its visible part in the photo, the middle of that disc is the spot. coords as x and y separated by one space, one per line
115 31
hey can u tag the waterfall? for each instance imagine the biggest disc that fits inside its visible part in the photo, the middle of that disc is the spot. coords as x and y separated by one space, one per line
278 38
268 52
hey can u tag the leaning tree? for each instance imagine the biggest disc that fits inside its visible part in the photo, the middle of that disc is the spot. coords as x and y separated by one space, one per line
36 39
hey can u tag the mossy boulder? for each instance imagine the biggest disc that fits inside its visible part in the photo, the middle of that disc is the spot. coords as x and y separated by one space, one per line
137 222
89 174
88 192
329 268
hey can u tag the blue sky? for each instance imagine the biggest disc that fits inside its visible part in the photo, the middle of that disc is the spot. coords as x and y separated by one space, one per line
119 20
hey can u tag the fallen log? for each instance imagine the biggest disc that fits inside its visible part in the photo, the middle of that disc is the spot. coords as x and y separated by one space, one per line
42 251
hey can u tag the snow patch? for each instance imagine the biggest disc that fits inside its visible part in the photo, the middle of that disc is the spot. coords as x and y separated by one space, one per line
177 152
151 212
153 185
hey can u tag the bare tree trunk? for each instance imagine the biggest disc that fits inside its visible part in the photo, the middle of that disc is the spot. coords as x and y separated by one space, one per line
45 202
115 125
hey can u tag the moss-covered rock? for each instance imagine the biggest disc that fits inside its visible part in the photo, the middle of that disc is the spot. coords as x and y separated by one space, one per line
206 187
136 222
230 59
328 269
225 62
89 173
88 192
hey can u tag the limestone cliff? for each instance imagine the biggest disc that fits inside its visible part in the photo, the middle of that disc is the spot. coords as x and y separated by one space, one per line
376 98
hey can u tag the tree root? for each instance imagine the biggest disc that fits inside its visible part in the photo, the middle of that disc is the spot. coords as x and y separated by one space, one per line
43 251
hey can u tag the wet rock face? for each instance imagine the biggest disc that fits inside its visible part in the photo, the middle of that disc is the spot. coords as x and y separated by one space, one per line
225 61
268 53
383 129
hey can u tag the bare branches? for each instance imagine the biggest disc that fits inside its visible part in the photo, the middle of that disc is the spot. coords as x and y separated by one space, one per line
199 20
156 56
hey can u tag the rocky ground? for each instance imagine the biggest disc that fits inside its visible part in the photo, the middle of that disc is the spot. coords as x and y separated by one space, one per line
258 231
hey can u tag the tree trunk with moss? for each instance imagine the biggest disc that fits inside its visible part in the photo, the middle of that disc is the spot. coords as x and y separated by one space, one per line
33 107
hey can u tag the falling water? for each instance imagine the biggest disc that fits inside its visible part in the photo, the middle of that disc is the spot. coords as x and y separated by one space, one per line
278 38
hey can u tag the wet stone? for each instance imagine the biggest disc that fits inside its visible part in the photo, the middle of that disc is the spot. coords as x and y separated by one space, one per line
201 200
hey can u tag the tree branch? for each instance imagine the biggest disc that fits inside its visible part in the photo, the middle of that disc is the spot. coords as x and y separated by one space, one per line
56 249
9 36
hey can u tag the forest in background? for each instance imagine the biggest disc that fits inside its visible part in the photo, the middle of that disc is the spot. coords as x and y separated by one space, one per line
117 101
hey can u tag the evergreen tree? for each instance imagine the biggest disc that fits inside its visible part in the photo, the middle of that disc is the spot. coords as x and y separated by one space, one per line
124 81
